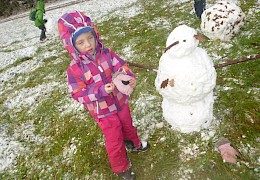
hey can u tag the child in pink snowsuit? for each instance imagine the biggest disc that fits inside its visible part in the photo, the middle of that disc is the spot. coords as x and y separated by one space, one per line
90 82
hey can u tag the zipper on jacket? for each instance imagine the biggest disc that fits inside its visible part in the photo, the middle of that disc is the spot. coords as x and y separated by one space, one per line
100 69
97 107
97 63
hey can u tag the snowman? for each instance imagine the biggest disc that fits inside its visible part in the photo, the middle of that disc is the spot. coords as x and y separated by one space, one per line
186 78
222 21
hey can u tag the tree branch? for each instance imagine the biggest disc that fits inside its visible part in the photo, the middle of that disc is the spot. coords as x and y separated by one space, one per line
217 66
236 61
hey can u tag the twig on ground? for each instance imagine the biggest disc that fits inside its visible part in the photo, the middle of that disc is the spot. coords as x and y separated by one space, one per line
255 44
141 66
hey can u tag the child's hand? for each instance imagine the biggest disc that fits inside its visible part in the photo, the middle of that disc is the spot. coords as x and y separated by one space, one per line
132 83
109 87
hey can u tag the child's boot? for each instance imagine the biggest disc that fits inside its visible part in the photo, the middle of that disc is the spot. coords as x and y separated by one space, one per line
143 147
129 145
131 148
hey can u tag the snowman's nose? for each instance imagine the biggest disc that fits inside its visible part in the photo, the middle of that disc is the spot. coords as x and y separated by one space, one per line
170 46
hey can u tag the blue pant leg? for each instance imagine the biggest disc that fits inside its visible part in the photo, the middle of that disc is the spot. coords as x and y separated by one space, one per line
199 6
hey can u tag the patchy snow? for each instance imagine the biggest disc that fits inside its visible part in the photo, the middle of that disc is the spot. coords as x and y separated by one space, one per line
128 12
179 1
159 23
28 96
95 9
9 149
10 57
70 106
128 53
145 103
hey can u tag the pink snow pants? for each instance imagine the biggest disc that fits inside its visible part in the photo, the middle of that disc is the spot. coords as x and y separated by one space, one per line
117 128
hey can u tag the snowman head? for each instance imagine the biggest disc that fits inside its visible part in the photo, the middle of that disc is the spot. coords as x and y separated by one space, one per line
182 41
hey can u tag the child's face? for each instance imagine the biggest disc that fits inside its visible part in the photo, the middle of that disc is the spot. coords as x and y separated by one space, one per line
86 42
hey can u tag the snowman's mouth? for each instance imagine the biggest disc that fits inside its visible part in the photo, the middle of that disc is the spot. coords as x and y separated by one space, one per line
170 46
125 82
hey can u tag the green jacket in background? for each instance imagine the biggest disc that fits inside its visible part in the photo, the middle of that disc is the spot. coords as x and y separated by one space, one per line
39 14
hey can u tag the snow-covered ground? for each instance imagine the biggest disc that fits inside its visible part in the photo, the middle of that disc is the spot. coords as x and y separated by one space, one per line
20 39
27 35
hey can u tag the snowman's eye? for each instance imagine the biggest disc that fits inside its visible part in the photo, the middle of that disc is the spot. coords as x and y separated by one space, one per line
184 40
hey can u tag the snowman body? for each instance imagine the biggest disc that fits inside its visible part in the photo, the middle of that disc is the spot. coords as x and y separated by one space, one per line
188 96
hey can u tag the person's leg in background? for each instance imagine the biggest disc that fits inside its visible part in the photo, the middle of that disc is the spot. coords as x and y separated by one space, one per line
199 6
43 30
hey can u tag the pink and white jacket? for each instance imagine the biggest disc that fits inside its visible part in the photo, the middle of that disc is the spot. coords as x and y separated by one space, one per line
87 75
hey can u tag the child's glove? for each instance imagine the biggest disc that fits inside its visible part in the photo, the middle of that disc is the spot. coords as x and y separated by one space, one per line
227 152
121 81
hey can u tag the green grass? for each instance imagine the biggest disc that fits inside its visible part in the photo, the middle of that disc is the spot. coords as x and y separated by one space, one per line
67 144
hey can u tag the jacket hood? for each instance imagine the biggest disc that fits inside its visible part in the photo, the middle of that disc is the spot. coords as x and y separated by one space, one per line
40 6
68 24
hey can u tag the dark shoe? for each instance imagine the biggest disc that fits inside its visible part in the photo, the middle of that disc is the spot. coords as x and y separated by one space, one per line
127 175
131 147
43 39
143 147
